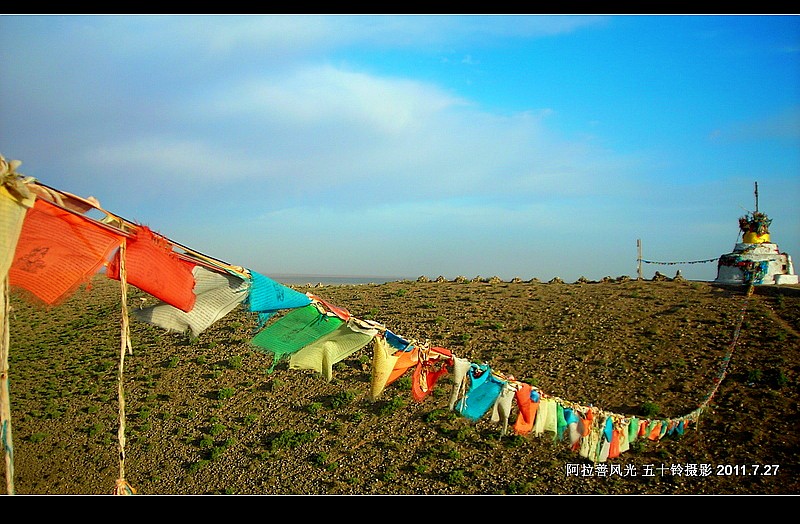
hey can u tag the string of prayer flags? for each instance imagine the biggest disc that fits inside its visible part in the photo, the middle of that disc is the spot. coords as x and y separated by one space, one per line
49 247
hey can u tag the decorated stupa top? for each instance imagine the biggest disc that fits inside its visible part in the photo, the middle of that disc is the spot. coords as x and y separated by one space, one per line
755 222
755 225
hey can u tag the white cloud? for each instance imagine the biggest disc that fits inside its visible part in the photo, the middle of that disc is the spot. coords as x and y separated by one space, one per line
314 94
329 126
164 158
218 36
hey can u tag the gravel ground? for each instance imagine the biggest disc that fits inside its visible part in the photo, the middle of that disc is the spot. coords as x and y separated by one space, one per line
206 416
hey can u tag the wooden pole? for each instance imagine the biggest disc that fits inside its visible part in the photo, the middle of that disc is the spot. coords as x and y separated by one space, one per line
639 256
5 400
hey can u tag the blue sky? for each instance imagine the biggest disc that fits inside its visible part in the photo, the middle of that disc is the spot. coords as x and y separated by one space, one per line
510 146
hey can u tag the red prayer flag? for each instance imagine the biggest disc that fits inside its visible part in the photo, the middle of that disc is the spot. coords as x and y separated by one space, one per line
152 266
58 250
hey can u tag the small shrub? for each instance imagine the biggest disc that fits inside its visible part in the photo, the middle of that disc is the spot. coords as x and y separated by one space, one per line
435 415
678 363
754 376
456 477
637 446
404 383
225 393
389 475
650 409
421 467
391 406
515 441
320 459
235 362
518 488
777 379
341 399
197 466
291 439
95 429
461 435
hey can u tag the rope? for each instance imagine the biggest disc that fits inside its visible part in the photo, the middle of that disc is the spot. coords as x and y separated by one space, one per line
5 404
675 263
122 487
125 227
726 360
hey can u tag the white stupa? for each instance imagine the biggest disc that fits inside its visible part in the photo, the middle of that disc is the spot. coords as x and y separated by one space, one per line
755 260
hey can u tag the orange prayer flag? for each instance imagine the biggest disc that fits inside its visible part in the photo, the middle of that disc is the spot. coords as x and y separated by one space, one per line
406 360
614 451
527 410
